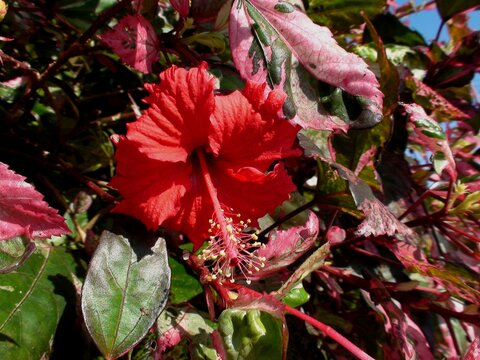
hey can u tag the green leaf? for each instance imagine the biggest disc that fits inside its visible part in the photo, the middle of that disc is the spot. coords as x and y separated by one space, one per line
213 40
297 296
389 78
251 334
448 8
392 31
82 13
184 286
32 303
343 14
14 252
122 297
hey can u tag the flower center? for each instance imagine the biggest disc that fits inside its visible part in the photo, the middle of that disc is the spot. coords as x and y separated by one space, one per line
229 247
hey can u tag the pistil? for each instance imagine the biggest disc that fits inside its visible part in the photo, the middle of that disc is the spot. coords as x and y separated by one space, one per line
229 247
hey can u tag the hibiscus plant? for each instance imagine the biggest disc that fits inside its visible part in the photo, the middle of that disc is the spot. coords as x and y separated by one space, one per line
238 179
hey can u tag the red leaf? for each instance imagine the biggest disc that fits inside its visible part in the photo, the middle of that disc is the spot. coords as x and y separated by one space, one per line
378 218
405 336
335 235
426 132
286 246
248 299
23 211
454 281
265 35
182 6
135 41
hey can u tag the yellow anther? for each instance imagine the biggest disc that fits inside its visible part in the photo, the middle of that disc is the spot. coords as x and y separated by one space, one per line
229 228
222 253
248 281
254 237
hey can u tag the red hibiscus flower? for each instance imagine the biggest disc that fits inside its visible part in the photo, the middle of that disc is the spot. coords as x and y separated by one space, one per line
194 161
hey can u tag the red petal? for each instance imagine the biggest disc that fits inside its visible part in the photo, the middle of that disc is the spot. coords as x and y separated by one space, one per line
246 129
23 211
152 189
195 211
179 117
250 192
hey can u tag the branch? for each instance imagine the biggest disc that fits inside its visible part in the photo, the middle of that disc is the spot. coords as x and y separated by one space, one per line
52 68
331 333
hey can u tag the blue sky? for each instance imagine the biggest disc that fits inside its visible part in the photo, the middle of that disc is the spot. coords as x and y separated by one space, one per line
427 23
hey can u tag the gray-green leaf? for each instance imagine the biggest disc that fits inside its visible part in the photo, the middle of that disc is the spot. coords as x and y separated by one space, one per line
122 297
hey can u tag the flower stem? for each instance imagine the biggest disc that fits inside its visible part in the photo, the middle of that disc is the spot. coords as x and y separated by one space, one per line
330 332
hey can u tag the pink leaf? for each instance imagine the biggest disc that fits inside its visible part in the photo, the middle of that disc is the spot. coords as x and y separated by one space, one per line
177 324
23 211
169 339
442 109
379 220
286 246
426 132
135 41
473 352
266 36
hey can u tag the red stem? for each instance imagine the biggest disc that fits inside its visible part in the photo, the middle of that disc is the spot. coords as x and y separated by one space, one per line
461 232
415 204
375 256
330 332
